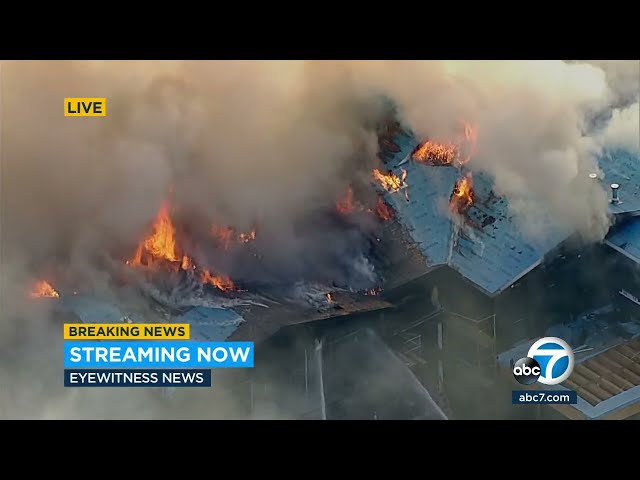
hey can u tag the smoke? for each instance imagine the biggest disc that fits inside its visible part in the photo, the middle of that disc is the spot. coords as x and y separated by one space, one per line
623 129
270 143
536 133
623 78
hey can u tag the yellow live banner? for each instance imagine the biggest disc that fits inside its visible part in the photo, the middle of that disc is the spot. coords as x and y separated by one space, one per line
118 331
85 107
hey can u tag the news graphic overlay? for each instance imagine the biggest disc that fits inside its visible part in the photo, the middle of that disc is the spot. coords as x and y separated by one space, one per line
529 397
145 355
526 371
549 361
117 331
555 358
85 107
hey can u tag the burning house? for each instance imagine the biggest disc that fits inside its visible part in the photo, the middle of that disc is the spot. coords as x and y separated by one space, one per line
429 257
469 284
175 276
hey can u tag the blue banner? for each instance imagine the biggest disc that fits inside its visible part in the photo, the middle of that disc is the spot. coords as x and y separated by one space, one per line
137 378
158 354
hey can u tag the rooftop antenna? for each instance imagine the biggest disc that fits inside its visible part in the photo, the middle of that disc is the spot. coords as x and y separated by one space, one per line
615 199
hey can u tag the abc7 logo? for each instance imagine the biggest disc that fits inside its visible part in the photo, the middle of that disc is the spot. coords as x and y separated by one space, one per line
526 371
549 361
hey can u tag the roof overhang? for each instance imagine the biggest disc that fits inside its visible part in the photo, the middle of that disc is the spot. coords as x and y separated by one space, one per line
622 251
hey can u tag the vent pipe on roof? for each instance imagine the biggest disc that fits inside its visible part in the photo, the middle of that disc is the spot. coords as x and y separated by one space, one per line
615 199
593 176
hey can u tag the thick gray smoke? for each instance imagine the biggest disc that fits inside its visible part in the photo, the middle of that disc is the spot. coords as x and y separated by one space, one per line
239 143
247 142
271 142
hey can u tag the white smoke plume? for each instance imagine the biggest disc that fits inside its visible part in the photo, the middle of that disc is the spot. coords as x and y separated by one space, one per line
623 129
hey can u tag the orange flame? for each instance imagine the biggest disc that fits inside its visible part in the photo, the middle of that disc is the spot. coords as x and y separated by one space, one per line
187 263
346 204
458 152
161 243
221 282
462 196
137 257
42 288
384 211
435 153
391 182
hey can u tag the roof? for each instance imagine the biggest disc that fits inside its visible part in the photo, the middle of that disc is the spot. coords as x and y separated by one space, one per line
92 310
493 253
622 167
261 323
490 249
625 238
211 324
607 381
591 331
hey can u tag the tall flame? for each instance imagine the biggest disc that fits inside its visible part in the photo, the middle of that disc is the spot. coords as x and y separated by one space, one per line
42 288
161 244
462 196
390 181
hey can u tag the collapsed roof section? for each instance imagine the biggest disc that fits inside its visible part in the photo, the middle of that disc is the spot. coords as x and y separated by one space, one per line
488 248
